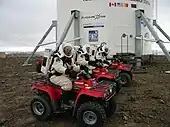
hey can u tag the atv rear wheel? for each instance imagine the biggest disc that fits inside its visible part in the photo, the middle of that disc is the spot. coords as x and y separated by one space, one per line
41 108
125 79
91 114
111 107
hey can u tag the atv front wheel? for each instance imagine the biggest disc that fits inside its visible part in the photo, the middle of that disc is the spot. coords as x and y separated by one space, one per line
125 79
111 107
41 108
91 114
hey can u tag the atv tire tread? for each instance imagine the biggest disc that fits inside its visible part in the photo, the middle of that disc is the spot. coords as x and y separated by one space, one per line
112 108
48 110
129 80
101 114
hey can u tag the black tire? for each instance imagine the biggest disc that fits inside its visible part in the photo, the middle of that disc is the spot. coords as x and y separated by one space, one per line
127 79
118 87
42 101
111 107
38 68
96 109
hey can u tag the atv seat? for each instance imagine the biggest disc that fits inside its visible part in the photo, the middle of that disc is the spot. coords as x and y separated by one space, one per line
59 87
54 85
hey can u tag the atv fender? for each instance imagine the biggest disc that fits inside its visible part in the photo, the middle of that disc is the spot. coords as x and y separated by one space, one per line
51 91
105 76
85 96
124 68
129 72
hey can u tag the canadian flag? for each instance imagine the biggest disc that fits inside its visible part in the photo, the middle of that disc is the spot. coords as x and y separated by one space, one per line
112 4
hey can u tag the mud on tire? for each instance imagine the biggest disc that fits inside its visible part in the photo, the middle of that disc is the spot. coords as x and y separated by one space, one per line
111 107
125 80
41 108
91 114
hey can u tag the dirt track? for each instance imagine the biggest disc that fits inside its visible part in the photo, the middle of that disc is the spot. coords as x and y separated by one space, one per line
145 104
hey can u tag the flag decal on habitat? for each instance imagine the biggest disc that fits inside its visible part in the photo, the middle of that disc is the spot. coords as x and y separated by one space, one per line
122 5
133 6
112 4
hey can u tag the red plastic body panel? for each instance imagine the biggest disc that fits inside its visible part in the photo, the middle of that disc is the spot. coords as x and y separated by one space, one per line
54 93
102 73
120 66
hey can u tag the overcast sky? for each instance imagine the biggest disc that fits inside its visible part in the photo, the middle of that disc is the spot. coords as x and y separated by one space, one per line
23 22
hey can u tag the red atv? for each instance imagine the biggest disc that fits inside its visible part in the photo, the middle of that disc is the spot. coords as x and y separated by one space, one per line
105 75
90 102
125 72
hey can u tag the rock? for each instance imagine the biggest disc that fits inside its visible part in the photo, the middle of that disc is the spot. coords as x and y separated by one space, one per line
153 109
156 97
150 116
132 98
141 113
2 82
162 119
162 101
126 124
138 119
3 121
168 105
125 118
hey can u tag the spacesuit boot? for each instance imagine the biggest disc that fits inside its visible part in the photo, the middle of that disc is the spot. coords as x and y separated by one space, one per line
66 101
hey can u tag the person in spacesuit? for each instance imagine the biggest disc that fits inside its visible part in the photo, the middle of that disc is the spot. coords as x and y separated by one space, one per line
64 68
102 53
87 51
83 56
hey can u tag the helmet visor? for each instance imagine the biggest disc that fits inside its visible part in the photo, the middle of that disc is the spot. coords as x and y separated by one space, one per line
67 50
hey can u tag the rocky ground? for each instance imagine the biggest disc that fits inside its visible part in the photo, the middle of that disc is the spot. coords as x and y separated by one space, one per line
145 104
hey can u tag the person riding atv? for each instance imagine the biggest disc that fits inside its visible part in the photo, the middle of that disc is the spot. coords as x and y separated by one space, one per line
101 61
64 68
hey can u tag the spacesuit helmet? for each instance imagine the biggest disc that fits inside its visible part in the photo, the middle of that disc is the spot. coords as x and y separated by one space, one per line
103 48
86 49
67 50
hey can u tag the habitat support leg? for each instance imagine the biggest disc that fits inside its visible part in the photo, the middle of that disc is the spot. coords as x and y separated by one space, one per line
155 35
160 29
76 26
138 43
63 36
40 42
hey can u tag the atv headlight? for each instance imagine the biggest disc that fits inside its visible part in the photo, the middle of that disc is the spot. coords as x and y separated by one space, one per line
111 90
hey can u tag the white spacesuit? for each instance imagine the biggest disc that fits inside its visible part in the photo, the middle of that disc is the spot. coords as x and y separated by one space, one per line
79 56
102 52
63 67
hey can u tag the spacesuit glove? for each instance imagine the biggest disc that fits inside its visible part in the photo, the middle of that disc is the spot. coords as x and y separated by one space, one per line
73 74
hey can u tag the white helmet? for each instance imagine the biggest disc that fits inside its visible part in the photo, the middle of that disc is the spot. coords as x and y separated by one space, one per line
66 50
86 49
103 48
80 50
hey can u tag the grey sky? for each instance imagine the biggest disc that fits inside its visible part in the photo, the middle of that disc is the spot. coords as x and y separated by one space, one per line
23 22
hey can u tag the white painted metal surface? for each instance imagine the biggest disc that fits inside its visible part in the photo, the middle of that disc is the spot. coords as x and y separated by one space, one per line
107 20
